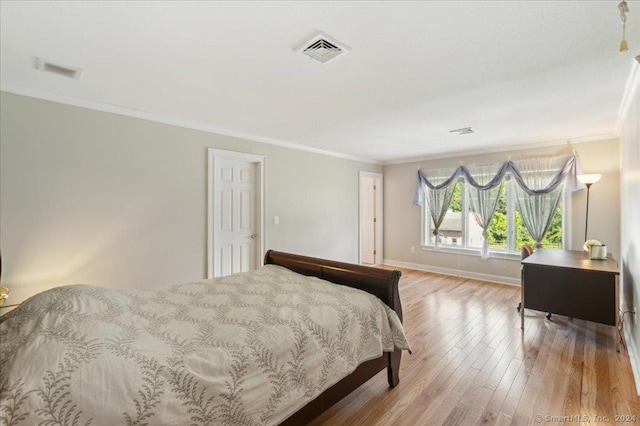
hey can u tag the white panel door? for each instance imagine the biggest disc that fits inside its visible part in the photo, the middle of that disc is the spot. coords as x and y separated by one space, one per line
234 225
367 220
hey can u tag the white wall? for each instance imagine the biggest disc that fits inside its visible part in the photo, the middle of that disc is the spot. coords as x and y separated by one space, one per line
97 198
402 218
630 200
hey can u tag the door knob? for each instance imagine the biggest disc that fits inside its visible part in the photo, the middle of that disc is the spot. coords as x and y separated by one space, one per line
254 235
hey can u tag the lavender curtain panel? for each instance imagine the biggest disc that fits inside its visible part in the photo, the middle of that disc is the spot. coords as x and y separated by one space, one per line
538 188
437 186
483 197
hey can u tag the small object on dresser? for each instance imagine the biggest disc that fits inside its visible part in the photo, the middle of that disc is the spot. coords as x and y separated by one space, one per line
596 249
598 252
4 294
589 243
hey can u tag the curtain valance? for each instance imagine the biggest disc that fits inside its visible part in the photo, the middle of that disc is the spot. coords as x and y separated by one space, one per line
538 183
570 168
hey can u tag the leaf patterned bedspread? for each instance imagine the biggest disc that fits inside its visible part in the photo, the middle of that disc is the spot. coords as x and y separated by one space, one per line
247 349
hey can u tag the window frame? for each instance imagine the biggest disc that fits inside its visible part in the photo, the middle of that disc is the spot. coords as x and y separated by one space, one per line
511 251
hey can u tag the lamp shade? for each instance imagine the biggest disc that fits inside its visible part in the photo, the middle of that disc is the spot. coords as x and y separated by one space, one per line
589 179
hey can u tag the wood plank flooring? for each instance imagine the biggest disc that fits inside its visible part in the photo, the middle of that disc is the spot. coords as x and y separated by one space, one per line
472 364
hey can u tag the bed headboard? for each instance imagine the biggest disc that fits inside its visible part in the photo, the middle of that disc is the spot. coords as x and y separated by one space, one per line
382 283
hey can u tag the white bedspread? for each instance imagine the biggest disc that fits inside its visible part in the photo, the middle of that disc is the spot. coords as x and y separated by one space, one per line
248 349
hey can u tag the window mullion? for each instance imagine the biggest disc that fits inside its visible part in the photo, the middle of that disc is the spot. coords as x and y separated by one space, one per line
511 219
566 215
424 225
465 214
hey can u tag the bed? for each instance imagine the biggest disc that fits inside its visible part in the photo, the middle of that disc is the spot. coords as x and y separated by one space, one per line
251 348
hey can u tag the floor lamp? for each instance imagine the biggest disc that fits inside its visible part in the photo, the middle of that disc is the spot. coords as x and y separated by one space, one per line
588 180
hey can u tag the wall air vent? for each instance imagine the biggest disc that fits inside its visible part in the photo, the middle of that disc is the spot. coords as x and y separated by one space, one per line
322 48
48 66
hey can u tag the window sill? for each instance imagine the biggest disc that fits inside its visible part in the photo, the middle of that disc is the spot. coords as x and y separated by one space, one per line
472 252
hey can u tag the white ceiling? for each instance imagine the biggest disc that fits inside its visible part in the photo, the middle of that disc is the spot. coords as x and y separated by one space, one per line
519 73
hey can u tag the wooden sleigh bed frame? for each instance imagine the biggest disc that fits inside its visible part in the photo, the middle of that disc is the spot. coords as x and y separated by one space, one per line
381 283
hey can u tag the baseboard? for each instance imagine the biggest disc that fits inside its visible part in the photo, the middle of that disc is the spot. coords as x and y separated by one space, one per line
634 357
501 279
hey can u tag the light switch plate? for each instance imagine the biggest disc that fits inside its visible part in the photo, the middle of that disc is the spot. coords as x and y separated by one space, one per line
276 220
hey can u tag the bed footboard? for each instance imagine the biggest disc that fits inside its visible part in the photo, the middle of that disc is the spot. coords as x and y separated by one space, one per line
383 284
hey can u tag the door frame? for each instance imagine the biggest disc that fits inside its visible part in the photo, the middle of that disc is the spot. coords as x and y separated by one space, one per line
379 257
214 155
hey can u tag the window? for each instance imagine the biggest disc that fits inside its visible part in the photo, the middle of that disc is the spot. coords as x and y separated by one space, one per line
506 233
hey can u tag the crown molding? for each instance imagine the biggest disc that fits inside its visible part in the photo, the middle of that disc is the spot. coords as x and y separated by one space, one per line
128 112
630 89
508 148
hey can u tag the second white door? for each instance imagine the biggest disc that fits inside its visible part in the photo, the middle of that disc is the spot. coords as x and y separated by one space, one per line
370 235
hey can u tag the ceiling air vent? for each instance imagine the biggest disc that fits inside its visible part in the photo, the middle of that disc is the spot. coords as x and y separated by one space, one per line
463 131
322 48
47 66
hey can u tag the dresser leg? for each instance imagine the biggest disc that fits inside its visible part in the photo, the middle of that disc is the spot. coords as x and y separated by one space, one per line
615 332
521 305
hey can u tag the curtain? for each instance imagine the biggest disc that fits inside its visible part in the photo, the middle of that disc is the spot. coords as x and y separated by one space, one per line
483 197
537 182
538 188
438 186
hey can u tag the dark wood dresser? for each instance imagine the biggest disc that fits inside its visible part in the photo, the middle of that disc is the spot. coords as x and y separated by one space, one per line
568 283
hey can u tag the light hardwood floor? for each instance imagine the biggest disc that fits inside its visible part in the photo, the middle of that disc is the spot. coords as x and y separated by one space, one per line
472 364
